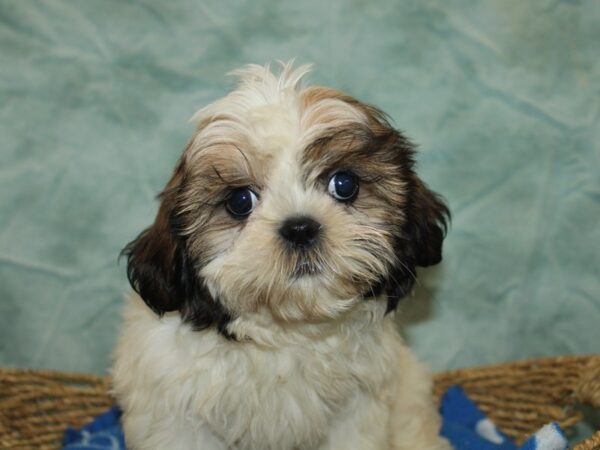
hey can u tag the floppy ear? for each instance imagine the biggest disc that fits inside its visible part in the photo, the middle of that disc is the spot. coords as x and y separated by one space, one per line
157 266
426 213
425 227
427 223
165 276
421 244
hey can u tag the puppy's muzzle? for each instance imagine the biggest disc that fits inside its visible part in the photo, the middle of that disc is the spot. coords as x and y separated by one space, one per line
300 232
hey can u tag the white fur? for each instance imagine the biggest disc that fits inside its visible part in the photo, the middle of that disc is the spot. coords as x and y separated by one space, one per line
356 387
341 381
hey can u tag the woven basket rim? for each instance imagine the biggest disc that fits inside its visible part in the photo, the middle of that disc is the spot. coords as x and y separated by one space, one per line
543 360
517 395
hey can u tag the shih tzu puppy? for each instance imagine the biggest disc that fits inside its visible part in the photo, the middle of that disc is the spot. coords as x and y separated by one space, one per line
290 228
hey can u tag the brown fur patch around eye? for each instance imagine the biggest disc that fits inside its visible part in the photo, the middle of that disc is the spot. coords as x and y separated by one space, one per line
207 176
368 145
390 198
379 161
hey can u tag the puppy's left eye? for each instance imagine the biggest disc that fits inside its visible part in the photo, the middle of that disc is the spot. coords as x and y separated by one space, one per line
241 202
343 186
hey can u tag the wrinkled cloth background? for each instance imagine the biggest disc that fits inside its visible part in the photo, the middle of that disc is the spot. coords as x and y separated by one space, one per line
502 96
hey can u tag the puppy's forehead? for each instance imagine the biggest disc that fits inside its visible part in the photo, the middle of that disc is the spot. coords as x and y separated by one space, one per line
271 122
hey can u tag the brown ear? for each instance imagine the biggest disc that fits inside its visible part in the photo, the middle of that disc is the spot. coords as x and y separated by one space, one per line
161 271
157 266
427 223
427 215
424 230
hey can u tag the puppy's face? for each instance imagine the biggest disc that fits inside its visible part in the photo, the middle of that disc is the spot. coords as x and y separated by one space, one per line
297 201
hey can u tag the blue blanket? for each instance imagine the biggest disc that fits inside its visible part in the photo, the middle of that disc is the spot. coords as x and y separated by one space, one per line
103 433
467 428
464 425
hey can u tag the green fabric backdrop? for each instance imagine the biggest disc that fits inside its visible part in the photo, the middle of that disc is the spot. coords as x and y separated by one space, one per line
502 96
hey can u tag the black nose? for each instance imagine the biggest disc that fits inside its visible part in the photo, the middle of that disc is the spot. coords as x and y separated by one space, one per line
300 231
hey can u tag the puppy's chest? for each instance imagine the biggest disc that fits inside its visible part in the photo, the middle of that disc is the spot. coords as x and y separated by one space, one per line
247 394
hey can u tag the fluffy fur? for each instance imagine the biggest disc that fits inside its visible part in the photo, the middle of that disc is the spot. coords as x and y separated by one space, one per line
238 340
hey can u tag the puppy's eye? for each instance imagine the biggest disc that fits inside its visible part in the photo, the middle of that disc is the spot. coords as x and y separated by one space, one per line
241 202
343 186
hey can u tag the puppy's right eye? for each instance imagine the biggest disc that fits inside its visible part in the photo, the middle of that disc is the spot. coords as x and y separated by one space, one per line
241 202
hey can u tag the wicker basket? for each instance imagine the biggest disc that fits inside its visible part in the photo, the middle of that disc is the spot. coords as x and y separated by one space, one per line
35 406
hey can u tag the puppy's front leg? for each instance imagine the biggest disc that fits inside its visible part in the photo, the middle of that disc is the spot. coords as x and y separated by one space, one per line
415 422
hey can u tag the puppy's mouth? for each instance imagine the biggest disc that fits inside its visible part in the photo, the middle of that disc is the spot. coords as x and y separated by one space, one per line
305 268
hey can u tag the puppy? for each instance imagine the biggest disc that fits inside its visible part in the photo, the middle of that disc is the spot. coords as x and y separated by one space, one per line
290 228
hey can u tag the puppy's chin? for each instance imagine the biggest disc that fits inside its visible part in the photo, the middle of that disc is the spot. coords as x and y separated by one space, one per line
308 294
310 299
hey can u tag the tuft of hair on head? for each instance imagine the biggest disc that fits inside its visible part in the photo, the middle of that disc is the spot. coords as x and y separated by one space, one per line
285 77
260 82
